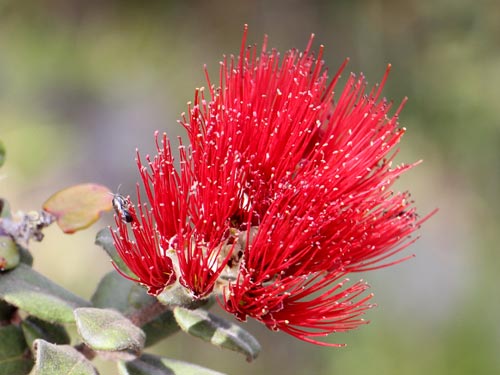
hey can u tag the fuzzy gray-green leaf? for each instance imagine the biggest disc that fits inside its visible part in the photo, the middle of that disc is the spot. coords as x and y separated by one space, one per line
218 331
108 330
116 292
105 240
54 359
34 328
149 364
159 328
14 353
34 293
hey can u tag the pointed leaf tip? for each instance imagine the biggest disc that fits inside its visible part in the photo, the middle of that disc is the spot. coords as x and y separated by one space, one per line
79 206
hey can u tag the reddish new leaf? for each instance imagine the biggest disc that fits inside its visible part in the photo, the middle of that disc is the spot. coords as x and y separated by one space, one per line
79 206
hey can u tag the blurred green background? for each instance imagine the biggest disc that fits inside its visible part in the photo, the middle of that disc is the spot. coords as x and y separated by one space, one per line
83 83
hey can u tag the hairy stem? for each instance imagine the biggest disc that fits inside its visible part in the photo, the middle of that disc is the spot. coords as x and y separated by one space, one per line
89 353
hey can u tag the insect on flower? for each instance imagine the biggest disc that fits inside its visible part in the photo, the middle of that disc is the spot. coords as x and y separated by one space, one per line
284 190
121 206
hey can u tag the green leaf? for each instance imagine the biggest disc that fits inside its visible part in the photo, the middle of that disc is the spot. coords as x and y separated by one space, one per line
79 206
54 359
159 328
115 291
34 293
108 330
2 153
149 364
218 331
105 240
14 353
34 328
9 253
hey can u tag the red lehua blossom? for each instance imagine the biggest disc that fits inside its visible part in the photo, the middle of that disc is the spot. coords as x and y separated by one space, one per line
144 256
283 191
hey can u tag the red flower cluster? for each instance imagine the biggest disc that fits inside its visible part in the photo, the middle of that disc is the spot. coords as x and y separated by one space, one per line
282 192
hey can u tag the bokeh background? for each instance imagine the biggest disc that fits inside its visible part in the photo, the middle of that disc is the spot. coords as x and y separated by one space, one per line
83 83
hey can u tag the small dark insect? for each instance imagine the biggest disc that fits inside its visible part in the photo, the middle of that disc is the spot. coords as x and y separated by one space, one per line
121 206
234 259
